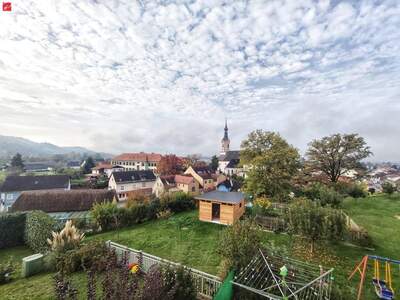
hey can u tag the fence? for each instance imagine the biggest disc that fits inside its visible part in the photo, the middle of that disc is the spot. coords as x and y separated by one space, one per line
206 285
356 232
273 224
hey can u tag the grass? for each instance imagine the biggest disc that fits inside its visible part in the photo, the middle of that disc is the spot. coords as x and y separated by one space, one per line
184 239
3 175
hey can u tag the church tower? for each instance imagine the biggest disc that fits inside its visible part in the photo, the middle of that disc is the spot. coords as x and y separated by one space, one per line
225 140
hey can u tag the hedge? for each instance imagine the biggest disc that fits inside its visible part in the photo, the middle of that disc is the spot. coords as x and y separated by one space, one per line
12 228
39 226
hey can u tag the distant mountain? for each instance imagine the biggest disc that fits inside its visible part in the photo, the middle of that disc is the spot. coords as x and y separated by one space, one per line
10 145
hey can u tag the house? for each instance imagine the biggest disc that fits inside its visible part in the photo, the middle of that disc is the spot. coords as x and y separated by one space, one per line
165 184
60 204
137 161
228 185
130 183
203 175
38 167
13 186
187 184
229 163
106 169
176 183
74 164
221 207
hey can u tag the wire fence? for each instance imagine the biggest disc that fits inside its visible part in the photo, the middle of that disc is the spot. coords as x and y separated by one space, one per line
206 284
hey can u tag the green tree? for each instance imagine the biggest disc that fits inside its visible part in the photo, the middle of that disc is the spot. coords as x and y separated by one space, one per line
239 242
333 155
214 163
388 188
88 165
17 162
271 164
310 220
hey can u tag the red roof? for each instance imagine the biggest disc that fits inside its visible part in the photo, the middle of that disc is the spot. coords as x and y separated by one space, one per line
103 166
183 179
141 156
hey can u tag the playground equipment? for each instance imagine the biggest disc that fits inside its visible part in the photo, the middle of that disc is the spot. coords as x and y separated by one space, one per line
383 286
280 278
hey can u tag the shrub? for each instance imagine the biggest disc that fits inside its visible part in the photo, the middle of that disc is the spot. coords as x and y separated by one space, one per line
388 188
239 242
357 191
12 227
105 215
179 202
153 208
38 229
135 214
263 207
309 219
324 195
67 239
88 255
165 214
6 270
180 285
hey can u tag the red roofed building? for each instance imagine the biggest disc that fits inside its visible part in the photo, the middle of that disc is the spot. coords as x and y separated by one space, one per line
176 183
137 161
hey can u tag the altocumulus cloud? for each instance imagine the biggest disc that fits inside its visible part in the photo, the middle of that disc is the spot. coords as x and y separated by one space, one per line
161 76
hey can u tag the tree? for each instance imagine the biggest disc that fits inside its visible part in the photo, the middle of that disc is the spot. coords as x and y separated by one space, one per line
88 165
169 165
214 163
239 242
388 188
271 162
333 155
17 162
192 160
309 219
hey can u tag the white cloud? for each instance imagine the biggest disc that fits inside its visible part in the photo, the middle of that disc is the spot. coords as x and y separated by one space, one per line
131 76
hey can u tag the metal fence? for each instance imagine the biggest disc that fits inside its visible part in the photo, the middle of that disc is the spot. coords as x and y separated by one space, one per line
206 285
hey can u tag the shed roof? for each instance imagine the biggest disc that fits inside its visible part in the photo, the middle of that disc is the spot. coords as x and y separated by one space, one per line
225 197
61 201
185 179
132 176
31 183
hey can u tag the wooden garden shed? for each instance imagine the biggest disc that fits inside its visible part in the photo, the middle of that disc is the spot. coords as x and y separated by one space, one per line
221 207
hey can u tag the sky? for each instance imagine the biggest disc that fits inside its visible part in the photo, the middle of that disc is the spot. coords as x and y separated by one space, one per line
162 76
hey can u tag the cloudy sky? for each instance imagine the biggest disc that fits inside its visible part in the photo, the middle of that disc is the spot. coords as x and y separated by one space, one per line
161 76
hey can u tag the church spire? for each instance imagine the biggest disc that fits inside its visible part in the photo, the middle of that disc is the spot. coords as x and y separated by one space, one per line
226 130
225 140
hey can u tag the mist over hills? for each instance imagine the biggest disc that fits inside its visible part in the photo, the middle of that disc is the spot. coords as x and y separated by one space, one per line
10 145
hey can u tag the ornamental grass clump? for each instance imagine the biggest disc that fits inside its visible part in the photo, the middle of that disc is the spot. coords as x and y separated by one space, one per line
68 238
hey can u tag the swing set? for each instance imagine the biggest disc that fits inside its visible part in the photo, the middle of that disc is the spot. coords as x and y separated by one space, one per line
383 286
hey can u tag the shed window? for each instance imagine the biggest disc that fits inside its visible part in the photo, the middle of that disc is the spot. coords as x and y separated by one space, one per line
240 205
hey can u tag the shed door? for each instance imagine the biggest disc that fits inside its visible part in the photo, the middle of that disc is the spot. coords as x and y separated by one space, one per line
216 208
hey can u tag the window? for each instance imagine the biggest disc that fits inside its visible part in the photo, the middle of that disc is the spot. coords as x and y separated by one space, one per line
240 205
193 189
143 184
122 187
9 196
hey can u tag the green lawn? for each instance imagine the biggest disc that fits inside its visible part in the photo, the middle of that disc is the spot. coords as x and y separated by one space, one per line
184 239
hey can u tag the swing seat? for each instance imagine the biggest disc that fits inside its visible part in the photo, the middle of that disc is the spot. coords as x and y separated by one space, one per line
381 289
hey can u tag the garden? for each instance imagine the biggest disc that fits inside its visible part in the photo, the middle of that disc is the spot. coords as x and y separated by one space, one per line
182 238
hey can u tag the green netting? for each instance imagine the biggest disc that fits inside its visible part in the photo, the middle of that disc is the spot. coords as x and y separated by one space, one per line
225 292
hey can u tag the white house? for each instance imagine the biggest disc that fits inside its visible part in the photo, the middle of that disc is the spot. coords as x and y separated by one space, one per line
128 183
137 161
